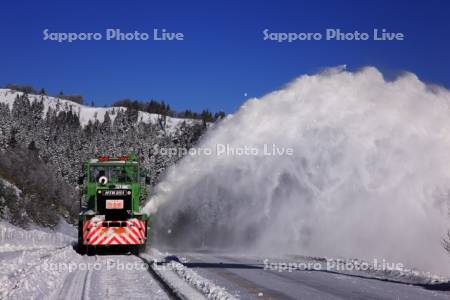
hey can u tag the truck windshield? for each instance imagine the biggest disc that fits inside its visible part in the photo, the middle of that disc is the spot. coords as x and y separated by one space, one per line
114 174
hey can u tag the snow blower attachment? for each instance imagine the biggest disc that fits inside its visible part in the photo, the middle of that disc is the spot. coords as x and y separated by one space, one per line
110 207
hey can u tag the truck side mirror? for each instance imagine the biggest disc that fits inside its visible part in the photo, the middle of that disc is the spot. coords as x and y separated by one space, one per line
147 180
80 180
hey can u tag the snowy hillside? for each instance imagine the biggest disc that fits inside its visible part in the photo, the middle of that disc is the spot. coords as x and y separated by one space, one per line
85 113
47 139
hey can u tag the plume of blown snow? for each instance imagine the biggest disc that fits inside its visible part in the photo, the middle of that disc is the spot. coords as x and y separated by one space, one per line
369 176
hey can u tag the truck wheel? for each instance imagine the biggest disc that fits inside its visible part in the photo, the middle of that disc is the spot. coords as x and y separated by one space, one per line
90 250
81 248
134 250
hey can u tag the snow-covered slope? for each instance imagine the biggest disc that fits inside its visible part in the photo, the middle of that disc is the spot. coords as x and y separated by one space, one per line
84 112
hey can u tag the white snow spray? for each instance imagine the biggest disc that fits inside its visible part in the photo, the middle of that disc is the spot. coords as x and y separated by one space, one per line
369 176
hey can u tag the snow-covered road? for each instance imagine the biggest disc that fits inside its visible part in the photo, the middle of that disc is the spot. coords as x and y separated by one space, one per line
112 277
64 274
40 264
35 264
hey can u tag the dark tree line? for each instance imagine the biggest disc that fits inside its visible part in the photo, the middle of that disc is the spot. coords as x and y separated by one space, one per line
28 89
162 108
151 106
74 98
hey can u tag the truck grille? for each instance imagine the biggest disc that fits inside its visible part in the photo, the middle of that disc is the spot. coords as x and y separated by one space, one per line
113 212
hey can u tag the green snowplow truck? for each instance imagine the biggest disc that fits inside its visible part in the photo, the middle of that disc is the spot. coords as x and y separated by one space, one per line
110 213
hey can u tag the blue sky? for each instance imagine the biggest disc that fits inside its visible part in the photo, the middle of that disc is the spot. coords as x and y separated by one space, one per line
223 57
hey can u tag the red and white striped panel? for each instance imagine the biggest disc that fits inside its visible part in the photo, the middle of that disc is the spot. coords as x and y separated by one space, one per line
131 232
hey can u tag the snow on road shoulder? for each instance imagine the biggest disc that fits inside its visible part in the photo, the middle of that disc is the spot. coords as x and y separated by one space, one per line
385 271
31 261
168 268
13 238
36 273
376 269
